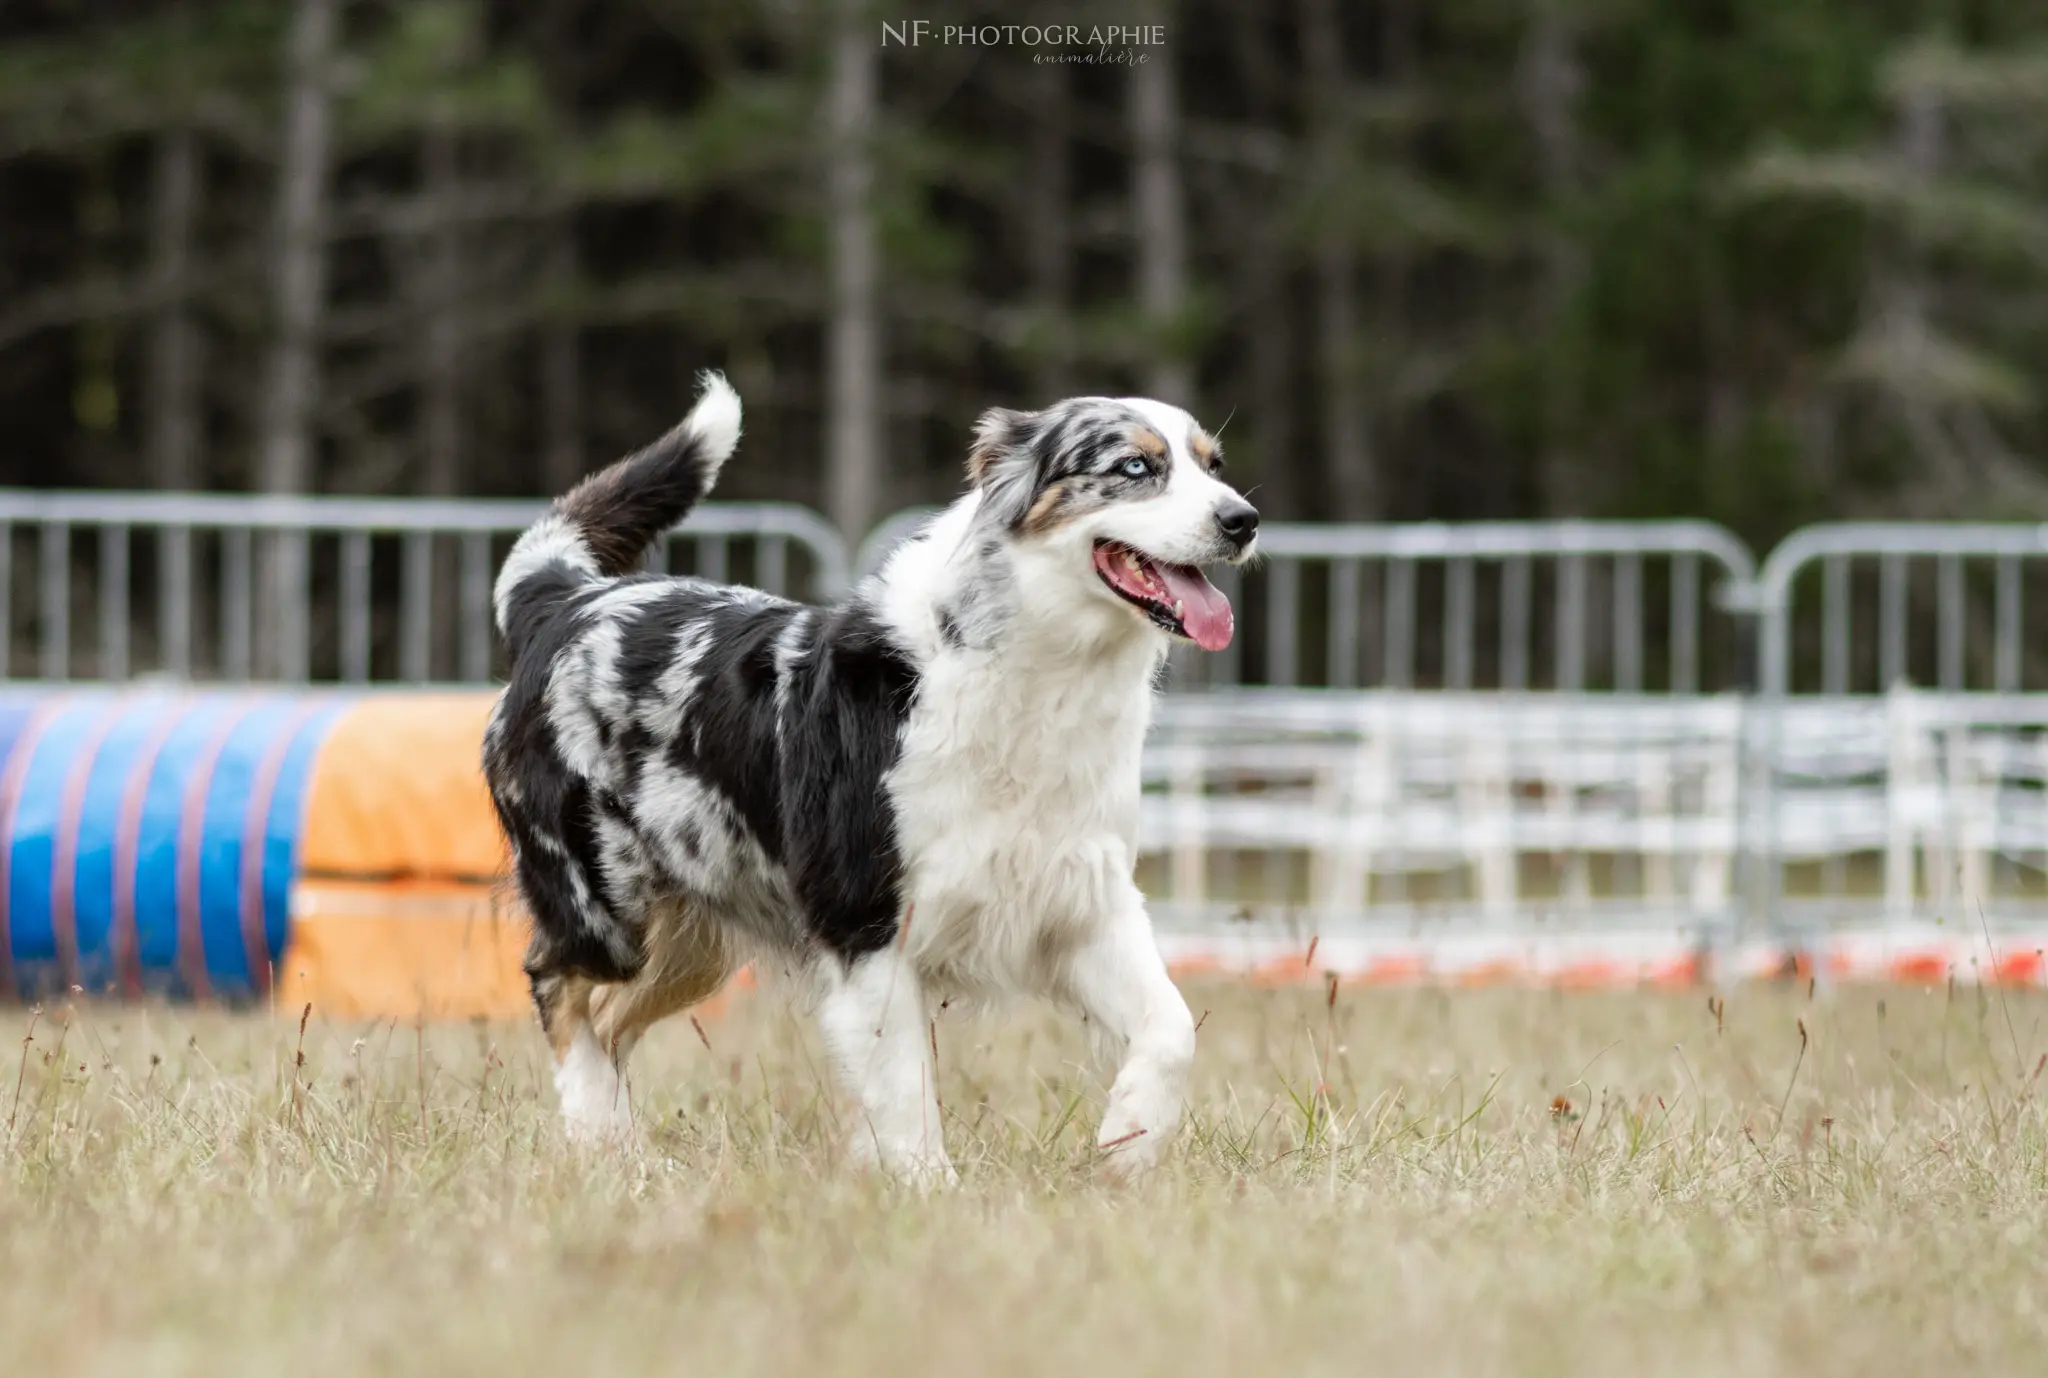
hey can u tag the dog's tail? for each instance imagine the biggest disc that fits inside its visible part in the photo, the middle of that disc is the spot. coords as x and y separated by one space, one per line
602 526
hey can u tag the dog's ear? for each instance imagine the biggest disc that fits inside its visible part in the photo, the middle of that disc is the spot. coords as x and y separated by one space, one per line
1004 464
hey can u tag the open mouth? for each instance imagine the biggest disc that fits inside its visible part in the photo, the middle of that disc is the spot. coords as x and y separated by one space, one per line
1176 597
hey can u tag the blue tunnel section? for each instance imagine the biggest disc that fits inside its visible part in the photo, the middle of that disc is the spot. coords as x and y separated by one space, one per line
148 838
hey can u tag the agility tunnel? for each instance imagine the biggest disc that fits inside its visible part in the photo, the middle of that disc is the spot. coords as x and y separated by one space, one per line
253 847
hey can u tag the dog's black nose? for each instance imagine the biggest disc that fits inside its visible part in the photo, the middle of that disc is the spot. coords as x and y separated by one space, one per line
1239 522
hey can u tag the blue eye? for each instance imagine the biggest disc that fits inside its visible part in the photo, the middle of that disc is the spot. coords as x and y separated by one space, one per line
1136 468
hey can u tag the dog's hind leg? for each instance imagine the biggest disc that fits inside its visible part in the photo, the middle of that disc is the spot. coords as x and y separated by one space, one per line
594 1026
1119 981
595 1105
688 960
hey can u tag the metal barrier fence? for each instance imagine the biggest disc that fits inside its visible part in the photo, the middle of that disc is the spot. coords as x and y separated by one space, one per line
1862 639
1786 689
1454 607
1632 606
109 585
356 590
299 589
1962 771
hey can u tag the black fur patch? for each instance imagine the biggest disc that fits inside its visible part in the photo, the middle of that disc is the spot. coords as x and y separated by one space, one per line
787 731
731 738
623 507
849 696
546 811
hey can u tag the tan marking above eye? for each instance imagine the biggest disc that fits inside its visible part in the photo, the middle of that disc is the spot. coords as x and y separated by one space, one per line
1150 441
1203 447
1040 517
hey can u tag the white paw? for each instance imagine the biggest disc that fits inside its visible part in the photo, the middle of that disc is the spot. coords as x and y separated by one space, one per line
929 1174
597 1110
912 1163
1125 1151
589 1131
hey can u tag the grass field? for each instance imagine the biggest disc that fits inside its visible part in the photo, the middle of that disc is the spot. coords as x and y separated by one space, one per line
1508 1182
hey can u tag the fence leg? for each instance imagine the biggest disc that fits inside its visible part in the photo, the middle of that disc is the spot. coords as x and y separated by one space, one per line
1901 784
1487 803
1561 802
1976 786
1759 862
1190 887
1713 870
1659 836
1361 816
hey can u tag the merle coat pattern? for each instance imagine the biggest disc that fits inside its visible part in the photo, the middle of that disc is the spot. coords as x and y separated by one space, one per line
927 791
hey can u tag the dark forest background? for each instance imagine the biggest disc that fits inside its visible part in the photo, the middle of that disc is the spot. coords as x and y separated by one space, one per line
1763 261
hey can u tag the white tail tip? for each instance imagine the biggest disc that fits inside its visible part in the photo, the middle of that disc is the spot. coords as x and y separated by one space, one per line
715 420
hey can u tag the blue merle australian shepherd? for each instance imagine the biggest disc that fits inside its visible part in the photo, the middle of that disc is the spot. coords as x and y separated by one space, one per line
927 792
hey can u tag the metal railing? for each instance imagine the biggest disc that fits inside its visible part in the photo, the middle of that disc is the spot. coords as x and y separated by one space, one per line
110 585
299 589
1456 607
1632 606
1806 660
1866 575
1838 607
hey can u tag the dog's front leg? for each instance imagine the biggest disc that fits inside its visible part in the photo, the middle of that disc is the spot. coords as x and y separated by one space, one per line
873 1019
1119 981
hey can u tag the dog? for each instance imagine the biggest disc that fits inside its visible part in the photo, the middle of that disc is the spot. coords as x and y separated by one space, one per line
927 792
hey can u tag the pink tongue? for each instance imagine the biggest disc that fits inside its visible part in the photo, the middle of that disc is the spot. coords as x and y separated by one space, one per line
1205 612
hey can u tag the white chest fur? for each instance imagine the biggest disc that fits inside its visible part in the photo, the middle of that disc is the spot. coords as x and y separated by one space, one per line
1016 792
1017 805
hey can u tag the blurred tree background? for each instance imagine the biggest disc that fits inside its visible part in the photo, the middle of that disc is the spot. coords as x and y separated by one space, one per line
1755 260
